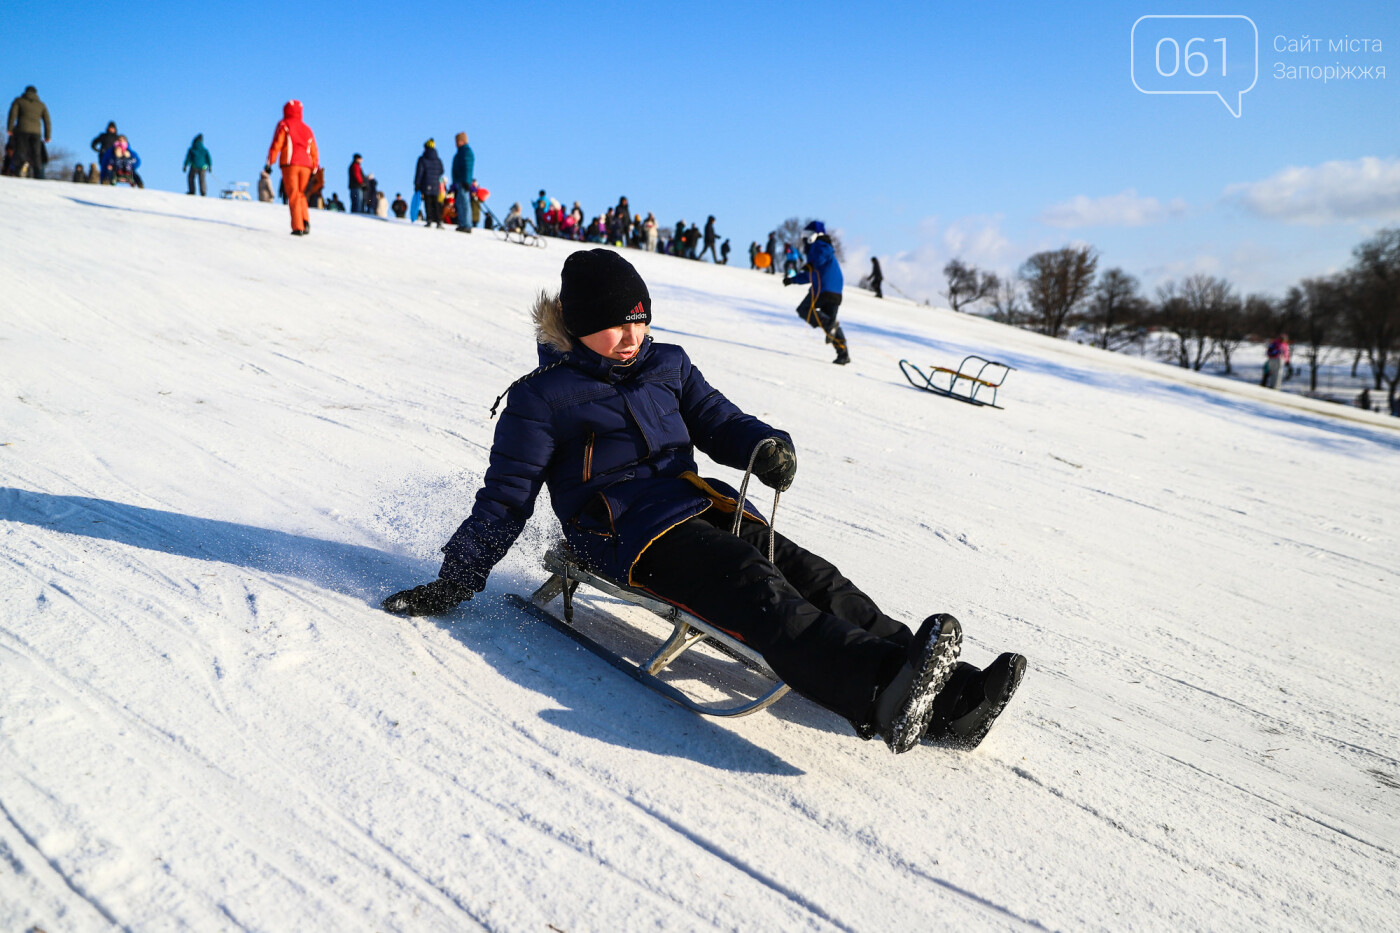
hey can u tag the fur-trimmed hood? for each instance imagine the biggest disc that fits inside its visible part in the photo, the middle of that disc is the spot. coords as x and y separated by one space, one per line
548 315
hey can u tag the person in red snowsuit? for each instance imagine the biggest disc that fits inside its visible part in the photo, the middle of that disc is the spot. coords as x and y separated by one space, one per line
294 148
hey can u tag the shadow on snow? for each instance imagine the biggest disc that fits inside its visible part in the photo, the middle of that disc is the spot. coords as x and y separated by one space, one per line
524 652
137 210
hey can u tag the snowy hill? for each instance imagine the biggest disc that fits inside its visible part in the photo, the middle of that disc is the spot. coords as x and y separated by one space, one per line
223 445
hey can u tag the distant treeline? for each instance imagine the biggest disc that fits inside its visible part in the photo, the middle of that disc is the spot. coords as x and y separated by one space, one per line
1061 293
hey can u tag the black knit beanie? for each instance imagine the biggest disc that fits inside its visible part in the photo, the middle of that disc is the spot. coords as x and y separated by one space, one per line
599 289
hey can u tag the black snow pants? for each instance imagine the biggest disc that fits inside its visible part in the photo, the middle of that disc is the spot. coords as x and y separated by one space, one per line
822 313
29 147
824 637
432 209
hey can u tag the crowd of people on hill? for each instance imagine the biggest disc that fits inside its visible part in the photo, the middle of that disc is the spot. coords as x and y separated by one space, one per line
622 226
29 130
440 195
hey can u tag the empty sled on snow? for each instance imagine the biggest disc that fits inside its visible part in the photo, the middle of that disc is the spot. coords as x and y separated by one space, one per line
976 374
237 191
687 629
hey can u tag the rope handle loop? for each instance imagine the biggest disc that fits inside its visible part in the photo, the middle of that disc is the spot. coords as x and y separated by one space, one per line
743 491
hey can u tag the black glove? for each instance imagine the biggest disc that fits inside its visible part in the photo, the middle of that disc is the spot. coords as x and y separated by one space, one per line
787 281
776 465
430 599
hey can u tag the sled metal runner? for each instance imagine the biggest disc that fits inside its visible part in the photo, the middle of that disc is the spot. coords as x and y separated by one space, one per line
687 631
975 374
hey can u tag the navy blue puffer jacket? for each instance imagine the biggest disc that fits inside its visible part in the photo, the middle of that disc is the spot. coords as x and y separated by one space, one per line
615 444
822 270
428 172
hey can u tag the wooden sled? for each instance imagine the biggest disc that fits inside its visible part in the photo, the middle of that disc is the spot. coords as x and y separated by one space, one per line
975 372
687 631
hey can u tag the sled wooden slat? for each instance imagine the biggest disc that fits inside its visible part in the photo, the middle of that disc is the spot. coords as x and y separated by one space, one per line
975 372
687 631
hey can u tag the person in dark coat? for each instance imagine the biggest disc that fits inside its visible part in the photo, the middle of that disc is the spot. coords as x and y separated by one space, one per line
400 206
427 181
104 141
771 250
609 422
622 222
724 253
356 182
79 176
198 163
541 205
463 172
711 238
29 128
876 277
823 299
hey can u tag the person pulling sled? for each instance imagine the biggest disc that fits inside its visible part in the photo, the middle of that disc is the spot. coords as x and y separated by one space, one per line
823 299
609 421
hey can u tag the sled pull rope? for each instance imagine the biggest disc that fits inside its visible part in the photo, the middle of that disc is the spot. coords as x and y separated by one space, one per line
743 490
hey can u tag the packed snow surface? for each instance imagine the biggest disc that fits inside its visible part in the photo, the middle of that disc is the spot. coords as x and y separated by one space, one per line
221 446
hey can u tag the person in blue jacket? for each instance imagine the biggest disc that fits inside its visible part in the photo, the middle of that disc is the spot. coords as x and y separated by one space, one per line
824 297
609 422
463 175
120 164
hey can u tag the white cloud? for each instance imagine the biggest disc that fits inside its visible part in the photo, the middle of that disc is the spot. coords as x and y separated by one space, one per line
918 273
1125 209
1333 192
978 240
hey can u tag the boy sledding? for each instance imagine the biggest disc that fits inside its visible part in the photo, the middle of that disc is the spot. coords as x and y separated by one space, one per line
609 421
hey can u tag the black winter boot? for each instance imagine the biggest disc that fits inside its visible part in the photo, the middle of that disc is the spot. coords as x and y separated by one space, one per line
970 704
903 708
838 339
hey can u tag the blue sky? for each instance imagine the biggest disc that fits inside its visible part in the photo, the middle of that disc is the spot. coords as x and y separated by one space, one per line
921 131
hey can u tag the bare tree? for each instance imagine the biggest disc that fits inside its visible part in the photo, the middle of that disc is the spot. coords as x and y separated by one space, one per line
1115 311
793 230
1057 281
1228 328
1375 305
1006 304
1190 312
1311 314
59 164
968 285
